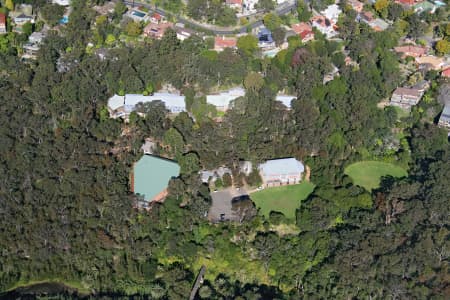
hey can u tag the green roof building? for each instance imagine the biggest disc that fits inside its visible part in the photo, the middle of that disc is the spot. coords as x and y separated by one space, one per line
151 176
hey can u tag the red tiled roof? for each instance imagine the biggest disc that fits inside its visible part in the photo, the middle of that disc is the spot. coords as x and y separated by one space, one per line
301 27
229 2
411 50
367 15
223 42
406 2
157 16
446 73
2 19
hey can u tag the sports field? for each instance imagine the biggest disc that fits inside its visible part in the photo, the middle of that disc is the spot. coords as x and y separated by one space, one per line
367 174
284 199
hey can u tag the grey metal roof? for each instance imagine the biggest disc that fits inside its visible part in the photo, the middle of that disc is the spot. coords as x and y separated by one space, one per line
445 116
283 166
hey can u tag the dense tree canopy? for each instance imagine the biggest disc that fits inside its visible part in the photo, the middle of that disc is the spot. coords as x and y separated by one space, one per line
66 207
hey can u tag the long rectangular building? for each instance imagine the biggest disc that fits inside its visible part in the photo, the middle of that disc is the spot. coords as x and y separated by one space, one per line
282 171
122 106
444 119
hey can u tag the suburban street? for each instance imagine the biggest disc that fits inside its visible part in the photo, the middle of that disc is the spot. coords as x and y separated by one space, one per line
280 10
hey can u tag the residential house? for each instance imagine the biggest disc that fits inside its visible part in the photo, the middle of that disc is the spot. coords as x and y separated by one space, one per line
431 62
324 25
411 50
356 5
350 62
157 30
283 171
122 106
332 13
21 20
234 4
61 2
149 146
2 23
286 100
249 7
212 175
183 32
107 8
222 42
331 75
444 119
156 18
376 24
446 73
405 97
265 39
304 30
408 3
33 45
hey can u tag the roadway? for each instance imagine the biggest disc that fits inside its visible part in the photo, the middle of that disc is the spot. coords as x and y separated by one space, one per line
280 10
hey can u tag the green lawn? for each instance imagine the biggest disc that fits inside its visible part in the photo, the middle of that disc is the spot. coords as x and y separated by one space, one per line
284 199
368 173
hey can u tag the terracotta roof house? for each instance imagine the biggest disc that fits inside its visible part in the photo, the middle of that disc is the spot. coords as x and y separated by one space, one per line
409 3
432 62
221 42
282 171
234 4
409 50
406 97
446 73
304 30
2 23
376 24
156 18
444 119
356 5
156 30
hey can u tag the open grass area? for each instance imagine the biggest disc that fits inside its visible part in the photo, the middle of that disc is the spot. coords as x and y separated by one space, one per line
284 199
367 174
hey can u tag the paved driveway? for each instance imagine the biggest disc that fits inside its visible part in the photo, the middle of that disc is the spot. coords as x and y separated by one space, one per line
221 208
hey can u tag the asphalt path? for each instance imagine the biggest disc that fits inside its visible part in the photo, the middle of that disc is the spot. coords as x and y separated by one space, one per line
280 10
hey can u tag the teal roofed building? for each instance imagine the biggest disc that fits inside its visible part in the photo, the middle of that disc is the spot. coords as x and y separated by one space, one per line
151 176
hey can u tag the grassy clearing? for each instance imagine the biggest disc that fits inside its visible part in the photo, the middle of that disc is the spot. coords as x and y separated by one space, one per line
284 199
79 286
367 174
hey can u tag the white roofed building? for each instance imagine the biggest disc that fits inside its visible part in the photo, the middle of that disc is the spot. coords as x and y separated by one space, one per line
222 101
332 13
61 2
282 171
286 100
122 106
